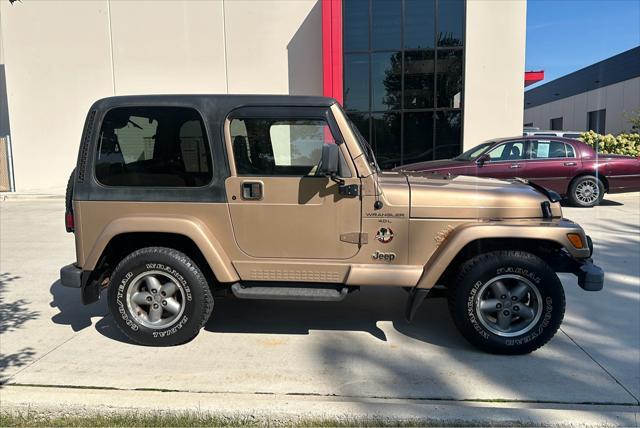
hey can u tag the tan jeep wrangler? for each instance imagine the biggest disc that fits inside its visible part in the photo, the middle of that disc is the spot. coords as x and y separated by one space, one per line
177 199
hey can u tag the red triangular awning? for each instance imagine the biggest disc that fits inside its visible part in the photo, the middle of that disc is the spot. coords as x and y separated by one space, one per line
531 77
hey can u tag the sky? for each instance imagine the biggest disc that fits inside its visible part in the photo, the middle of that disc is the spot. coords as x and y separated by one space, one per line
566 35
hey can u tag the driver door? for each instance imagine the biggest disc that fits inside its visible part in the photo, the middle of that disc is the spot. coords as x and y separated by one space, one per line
279 208
506 160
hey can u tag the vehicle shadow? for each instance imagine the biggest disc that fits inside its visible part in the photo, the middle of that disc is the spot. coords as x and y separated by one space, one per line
71 310
604 203
360 311
610 203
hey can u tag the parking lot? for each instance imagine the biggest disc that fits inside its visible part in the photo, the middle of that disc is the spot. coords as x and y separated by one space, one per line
357 351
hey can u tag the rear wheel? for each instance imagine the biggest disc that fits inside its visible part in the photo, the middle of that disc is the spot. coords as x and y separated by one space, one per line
159 297
507 302
586 191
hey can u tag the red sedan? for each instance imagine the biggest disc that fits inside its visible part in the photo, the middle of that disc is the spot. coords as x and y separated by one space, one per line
569 167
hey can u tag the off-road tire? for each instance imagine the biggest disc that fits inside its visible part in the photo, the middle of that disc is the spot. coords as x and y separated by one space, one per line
197 302
68 199
576 200
479 270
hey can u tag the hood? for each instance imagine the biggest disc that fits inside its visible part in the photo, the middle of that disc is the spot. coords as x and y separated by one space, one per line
433 165
439 196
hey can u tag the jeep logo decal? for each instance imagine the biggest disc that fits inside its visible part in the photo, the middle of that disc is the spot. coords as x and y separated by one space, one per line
386 257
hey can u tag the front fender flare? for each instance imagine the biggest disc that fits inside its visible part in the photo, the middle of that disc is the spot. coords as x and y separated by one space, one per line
555 231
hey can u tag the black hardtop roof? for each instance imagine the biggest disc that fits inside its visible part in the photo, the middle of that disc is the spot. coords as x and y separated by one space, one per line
212 101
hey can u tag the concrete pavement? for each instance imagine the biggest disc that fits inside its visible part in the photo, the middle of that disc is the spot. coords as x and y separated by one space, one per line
353 351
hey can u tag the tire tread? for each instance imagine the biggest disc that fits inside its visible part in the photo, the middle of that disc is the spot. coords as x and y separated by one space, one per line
459 316
187 263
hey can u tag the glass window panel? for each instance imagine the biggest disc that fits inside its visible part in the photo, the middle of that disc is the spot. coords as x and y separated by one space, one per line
361 121
386 80
556 124
448 134
418 137
450 22
278 147
596 121
138 147
419 24
356 82
449 79
418 79
385 138
386 24
513 150
545 149
356 25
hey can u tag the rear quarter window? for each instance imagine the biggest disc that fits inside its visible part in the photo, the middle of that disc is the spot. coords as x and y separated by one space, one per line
153 147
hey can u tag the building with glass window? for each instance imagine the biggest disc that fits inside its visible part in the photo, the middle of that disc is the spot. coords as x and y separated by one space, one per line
600 97
422 79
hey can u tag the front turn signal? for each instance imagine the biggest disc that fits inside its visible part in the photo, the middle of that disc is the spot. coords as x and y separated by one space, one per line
576 240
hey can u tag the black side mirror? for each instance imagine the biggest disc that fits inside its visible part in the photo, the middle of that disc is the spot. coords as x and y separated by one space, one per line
482 159
329 163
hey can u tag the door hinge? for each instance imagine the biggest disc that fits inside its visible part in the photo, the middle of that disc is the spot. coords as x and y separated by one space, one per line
354 238
349 190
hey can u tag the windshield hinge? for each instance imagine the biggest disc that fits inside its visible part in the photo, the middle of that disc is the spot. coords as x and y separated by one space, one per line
349 190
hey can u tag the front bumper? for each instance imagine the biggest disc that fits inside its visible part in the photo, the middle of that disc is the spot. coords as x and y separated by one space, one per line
71 276
590 276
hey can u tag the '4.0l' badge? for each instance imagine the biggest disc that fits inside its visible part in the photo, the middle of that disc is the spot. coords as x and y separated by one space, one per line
384 235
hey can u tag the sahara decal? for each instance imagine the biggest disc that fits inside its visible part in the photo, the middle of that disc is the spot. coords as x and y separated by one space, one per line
384 235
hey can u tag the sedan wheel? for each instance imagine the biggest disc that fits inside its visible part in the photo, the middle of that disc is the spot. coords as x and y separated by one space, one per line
586 191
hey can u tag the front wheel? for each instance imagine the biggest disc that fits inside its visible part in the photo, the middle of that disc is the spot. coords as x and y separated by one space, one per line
507 302
586 191
159 297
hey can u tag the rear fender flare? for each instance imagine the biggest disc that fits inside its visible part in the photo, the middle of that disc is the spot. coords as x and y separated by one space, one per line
191 228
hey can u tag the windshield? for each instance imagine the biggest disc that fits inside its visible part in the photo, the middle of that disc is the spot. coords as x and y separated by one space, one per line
473 153
364 146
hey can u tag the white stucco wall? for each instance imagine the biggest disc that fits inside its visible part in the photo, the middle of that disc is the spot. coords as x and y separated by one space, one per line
62 55
618 99
494 69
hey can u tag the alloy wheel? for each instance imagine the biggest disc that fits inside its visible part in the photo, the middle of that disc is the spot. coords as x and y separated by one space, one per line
155 299
508 305
587 192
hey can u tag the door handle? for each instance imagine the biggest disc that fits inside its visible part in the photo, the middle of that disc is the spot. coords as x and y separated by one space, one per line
515 165
570 164
252 190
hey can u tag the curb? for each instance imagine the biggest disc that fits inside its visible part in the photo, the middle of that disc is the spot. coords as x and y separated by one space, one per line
12 196
273 409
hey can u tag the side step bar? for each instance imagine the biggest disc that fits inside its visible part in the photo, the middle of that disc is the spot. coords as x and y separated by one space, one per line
295 291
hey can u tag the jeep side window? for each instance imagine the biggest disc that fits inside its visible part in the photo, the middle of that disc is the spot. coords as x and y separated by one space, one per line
288 147
153 147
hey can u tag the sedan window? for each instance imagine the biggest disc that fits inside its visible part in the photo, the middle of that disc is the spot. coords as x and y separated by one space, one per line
545 149
513 150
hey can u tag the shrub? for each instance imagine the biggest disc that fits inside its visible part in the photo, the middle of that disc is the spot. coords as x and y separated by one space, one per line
622 144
